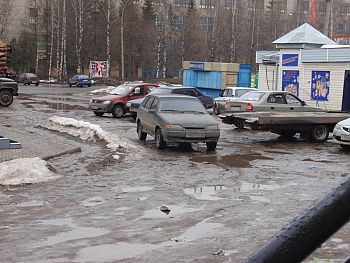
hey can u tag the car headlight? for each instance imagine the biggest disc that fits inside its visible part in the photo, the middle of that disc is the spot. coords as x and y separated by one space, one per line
173 126
346 128
128 104
106 102
213 127
90 100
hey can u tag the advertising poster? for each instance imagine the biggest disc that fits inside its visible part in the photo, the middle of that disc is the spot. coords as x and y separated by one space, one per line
290 81
98 69
320 85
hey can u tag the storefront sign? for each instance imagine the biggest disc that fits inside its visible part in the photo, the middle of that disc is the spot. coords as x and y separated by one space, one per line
320 81
290 81
197 65
290 60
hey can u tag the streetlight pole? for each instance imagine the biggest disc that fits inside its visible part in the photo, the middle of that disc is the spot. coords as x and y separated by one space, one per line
123 5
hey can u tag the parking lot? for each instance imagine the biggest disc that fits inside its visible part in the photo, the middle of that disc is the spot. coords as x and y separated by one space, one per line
147 205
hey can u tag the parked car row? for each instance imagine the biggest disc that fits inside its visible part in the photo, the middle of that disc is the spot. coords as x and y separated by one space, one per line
171 113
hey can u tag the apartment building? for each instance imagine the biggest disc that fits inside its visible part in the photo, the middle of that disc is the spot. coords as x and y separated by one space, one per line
288 10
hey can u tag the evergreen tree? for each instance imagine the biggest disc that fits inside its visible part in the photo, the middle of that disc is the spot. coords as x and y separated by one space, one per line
148 10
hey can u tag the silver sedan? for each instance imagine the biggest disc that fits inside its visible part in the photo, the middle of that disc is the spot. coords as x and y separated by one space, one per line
269 101
176 119
341 134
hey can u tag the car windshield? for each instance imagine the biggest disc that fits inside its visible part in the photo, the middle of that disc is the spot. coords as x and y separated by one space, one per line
31 75
83 77
160 91
120 90
181 105
241 92
252 96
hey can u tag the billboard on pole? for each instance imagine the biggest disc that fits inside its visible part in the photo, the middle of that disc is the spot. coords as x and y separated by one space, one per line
99 69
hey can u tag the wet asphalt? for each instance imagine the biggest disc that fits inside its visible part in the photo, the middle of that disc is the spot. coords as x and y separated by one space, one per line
176 205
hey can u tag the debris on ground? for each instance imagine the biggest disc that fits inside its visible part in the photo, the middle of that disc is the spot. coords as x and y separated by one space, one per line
165 209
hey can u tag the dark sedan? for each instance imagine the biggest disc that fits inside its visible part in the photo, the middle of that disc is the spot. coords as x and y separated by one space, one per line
79 81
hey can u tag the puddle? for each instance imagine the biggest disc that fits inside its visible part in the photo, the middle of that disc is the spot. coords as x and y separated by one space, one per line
174 211
122 250
249 187
54 105
93 201
75 234
114 252
201 230
32 203
137 189
226 161
205 192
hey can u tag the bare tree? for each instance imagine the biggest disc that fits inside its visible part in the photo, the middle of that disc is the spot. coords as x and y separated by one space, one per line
6 17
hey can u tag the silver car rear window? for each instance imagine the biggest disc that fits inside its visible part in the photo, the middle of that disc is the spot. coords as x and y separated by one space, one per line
252 96
181 105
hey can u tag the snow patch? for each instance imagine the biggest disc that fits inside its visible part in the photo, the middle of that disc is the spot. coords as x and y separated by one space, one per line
86 131
25 171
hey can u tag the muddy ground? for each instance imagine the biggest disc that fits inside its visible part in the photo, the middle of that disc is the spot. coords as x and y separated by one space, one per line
223 205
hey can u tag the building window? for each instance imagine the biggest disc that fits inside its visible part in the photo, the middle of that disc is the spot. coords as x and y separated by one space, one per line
179 22
33 15
281 6
183 3
257 4
159 20
157 2
322 7
207 23
341 29
207 4
305 7
345 9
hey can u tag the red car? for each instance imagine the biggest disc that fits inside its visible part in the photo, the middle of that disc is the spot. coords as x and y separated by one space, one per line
28 78
115 101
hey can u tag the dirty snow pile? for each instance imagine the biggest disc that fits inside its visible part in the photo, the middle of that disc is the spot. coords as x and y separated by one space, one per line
103 90
25 171
86 131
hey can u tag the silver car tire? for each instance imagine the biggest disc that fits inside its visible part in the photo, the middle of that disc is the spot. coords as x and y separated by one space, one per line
211 146
160 143
142 135
118 111
216 110
319 133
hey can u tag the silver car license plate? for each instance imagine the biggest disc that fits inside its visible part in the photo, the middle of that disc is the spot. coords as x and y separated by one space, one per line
94 107
195 135
345 137
236 108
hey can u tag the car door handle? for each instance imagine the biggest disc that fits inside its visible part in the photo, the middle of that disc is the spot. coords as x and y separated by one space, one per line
272 108
292 108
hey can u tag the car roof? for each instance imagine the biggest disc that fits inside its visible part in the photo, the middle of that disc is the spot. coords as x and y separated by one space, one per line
139 84
176 87
233 88
172 96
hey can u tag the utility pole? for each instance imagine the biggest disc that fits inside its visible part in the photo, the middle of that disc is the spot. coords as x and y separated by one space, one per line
36 38
328 15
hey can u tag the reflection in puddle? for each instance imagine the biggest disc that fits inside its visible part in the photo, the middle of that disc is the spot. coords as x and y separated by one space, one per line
122 250
236 160
174 211
54 105
206 192
75 234
93 201
136 189
249 187
33 203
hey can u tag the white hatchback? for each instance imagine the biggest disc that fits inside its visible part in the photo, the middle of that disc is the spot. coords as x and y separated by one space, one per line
341 134
229 94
